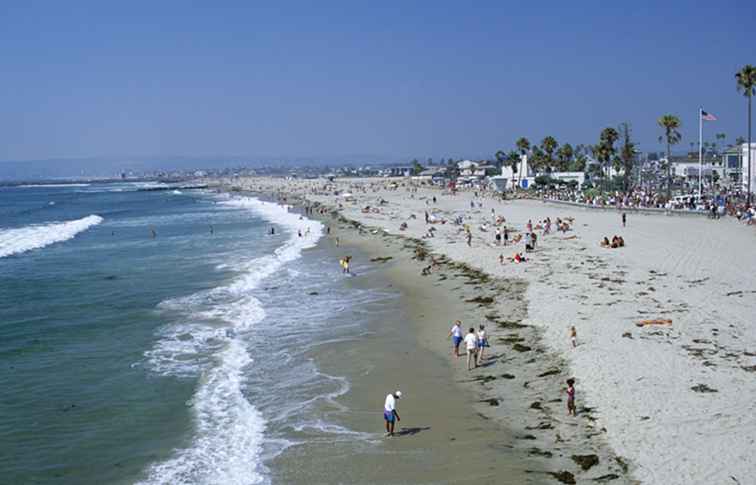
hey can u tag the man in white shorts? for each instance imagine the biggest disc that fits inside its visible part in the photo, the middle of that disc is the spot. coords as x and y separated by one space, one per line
471 344
389 412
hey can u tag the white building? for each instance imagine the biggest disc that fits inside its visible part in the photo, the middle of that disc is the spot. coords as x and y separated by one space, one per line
744 155
523 174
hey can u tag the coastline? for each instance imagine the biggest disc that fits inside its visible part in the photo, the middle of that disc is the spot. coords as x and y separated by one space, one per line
660 396
518 393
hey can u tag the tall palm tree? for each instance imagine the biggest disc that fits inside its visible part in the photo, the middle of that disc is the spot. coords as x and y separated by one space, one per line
605 149
627 153
549 146
721 137
564 155
523 145
537 159
746 84
500 158
671 136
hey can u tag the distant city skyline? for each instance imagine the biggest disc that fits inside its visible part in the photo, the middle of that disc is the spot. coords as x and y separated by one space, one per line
389 81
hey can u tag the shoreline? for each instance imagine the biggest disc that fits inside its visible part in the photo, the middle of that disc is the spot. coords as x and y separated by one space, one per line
520 389
660 395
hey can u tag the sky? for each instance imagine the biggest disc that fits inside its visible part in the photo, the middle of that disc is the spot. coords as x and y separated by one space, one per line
333 79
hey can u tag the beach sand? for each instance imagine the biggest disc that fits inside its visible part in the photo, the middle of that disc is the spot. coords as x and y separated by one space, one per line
669 404
441 438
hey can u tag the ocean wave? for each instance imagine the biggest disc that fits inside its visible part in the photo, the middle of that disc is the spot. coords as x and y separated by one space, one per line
29 186
209 340
23 239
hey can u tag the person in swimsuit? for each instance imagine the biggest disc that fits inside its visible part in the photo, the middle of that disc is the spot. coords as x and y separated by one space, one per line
571 397
573 336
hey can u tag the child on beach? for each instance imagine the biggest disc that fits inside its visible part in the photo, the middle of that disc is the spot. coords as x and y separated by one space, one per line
573 336
482 342
456 334
571 397
471 345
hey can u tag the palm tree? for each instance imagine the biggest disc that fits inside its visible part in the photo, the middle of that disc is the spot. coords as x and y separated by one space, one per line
579 163
605 149
549 146
627 153
537 159
564 155
523 145
746 83
671 124
721 137
513 161
500 158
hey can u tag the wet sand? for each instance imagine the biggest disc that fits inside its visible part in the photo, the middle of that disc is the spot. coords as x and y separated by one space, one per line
442 438
503 423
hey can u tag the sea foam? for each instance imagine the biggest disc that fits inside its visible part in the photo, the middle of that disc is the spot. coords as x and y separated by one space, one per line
208 341
22 239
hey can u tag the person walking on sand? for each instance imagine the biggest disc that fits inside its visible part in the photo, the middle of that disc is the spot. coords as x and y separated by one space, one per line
624 219
389 412
456 334
571 397
482 342
471 345
573 336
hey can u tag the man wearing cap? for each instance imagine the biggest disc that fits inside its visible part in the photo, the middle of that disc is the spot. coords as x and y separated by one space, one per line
389 412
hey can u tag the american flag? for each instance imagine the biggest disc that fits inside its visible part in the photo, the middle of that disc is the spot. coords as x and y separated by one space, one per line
707 116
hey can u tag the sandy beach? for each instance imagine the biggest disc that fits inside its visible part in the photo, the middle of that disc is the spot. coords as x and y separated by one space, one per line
657 403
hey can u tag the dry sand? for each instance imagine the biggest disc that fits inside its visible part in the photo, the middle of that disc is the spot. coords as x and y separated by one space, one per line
674 402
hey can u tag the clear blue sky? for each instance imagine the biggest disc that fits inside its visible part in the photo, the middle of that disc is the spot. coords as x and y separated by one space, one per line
392 79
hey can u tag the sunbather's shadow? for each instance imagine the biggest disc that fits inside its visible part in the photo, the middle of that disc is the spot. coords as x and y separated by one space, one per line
411 431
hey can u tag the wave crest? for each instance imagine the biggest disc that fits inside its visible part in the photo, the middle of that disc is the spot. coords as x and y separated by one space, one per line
23 239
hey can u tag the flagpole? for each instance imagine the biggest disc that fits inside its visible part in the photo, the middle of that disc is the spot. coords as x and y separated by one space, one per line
700 152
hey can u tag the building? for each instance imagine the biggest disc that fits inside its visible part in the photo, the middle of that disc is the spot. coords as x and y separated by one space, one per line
746 168
521 177
396 172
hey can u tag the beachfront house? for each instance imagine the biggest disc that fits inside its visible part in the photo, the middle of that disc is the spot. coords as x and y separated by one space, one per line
522 177
402 171
744 164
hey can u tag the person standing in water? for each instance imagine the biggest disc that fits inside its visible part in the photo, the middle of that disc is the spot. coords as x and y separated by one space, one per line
573 336
390 416
624 219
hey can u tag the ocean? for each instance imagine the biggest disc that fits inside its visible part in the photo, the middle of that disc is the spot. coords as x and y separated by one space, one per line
166 336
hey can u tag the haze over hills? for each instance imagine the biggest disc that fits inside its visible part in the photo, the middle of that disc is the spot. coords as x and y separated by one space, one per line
55 168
